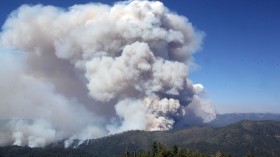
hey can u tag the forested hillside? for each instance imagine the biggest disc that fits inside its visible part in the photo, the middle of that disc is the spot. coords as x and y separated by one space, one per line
261 138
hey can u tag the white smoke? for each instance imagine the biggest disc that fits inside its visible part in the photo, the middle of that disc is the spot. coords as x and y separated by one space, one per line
93 70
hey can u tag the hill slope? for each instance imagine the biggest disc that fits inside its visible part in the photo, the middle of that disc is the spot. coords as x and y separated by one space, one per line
261 138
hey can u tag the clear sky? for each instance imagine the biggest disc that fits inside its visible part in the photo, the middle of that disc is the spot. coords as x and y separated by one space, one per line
240 59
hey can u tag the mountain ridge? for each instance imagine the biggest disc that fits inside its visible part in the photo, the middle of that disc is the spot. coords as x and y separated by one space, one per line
230 118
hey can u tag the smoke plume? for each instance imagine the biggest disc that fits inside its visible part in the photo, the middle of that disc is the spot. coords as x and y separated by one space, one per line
92 70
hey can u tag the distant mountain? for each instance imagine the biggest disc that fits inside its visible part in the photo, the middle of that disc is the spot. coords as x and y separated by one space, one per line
261 138
230 118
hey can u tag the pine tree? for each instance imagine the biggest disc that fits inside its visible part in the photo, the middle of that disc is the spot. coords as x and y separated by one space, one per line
155 149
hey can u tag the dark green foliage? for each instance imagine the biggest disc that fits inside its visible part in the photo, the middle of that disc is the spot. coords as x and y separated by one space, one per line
159 150
155 149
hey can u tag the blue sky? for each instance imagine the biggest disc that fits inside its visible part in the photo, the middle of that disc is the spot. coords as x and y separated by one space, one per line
240 59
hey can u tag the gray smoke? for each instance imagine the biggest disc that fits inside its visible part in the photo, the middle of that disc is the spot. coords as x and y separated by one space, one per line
93 70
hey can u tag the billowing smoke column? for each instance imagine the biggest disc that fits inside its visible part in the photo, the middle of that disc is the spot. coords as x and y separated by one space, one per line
93 70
